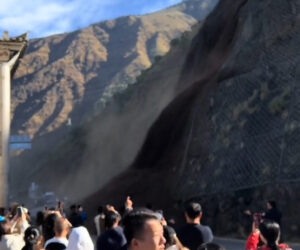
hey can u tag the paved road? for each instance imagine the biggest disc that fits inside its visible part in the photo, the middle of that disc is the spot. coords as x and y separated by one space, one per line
229 244
233 244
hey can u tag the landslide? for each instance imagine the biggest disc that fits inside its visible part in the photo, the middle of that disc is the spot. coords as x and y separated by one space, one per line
107 144
73 78
230 138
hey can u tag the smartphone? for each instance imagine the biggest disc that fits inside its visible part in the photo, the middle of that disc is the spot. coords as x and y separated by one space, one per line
19 211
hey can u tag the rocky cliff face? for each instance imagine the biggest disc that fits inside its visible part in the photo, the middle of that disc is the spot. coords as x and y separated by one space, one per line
73 75
244 128
231 137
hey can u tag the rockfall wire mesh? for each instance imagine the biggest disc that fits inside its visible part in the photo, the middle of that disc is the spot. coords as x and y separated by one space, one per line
251 133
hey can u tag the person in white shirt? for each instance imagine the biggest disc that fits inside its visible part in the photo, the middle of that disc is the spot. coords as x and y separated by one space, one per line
8 240
80 239
98 219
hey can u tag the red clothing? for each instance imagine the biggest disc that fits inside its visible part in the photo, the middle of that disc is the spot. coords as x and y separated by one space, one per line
253 241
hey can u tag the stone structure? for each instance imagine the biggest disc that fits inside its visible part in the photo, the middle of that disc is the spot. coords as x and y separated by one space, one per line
11 50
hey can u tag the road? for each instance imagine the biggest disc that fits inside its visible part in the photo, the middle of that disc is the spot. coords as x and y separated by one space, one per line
233 244
229 244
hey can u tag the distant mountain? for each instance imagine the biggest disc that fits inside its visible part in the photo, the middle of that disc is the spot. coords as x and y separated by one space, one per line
73 75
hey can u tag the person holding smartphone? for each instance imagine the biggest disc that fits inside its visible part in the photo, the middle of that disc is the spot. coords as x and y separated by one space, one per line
20 223
268 232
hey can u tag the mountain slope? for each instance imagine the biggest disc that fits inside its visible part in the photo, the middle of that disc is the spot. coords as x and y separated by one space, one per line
223 129
231 138
105 146
73 75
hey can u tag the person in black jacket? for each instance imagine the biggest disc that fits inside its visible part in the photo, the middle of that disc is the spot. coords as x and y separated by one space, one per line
193 234
113 238
272 212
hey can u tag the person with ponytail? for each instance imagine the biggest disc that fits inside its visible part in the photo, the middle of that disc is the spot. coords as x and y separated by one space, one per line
269 233
33 239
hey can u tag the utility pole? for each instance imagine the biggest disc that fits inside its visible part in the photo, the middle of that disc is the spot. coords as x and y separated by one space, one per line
11 50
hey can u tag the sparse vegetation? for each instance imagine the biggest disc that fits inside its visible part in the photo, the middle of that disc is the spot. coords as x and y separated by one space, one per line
245 106
280 103
175 42
91 65
157 58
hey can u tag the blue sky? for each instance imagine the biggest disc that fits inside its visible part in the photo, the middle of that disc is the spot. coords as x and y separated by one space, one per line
46 17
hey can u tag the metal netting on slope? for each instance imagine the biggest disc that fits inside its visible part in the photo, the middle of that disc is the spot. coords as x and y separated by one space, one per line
252 134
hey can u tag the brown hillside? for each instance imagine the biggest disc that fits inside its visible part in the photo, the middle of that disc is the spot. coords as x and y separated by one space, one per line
73 75
106 145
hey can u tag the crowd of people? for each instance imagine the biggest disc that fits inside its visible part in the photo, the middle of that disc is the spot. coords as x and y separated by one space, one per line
131 229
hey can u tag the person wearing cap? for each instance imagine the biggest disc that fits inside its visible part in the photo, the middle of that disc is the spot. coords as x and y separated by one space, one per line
193 234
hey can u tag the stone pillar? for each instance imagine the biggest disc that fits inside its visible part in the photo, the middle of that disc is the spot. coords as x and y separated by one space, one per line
5 77
4 129
11 50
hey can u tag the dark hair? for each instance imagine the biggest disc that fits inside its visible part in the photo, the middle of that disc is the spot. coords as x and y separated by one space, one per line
193 209
100 209
273 204
76 220
55 246
149 205
39 218
110 219
134 222
270 230
48 226
4 228
210 246
2 211
73 208
31 237
169 234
